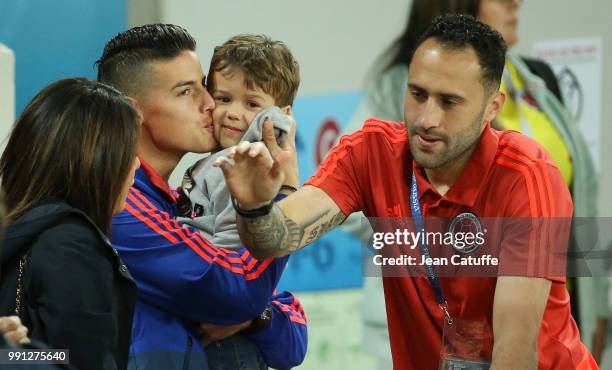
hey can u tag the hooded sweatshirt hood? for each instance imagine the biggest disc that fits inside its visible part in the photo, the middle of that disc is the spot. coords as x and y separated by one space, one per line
20 234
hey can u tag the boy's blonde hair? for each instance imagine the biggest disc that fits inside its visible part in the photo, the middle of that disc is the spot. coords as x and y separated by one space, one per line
265 63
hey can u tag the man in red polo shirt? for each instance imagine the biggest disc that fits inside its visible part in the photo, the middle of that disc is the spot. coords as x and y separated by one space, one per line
444 162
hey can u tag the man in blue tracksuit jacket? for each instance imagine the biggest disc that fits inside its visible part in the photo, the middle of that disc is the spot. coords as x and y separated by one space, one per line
183 280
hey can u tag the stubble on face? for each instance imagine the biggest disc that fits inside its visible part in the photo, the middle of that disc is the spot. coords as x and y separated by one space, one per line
455 147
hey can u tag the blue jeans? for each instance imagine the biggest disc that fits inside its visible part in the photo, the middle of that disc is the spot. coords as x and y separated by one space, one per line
234 353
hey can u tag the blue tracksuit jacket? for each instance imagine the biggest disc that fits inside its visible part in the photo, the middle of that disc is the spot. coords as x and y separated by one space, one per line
183 280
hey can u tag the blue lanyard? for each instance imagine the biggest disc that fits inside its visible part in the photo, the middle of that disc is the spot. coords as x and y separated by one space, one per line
417 218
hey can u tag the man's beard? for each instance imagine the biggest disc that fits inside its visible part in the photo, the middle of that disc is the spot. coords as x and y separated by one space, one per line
458 146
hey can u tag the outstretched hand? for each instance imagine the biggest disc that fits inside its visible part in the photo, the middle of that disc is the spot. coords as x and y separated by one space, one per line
254 172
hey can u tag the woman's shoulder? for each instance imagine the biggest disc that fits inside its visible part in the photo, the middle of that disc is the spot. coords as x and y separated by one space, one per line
73 226
60 224
72 247
50 222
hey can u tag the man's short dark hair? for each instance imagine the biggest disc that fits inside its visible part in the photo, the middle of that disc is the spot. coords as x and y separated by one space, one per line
459 32
127 55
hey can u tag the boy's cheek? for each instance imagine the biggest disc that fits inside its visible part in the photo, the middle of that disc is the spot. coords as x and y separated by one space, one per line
226 141
217 131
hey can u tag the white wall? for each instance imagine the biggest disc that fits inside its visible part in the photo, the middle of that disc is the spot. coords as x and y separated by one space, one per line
7 92
141 12
334 41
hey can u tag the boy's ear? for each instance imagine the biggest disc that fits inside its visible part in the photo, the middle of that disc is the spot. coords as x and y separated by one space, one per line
287 110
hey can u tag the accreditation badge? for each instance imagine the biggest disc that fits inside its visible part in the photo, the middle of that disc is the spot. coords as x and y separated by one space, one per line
466 345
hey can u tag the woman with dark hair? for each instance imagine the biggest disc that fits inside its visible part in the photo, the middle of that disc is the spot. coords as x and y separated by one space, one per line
66 169
534 106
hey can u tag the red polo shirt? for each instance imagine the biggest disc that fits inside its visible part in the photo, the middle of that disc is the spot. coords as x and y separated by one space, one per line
509 175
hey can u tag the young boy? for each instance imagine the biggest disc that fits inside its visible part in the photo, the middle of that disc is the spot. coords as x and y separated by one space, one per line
250 77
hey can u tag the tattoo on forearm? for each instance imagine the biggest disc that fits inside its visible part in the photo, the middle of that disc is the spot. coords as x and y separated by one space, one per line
276 233
319 230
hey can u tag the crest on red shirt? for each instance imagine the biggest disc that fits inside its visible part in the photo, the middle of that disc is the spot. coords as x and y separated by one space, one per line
462 226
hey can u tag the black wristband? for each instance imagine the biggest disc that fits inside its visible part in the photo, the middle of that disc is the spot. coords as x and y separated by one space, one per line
288 187
252 213
260 322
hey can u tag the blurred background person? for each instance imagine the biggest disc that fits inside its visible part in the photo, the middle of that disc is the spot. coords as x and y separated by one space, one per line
534 106
66 169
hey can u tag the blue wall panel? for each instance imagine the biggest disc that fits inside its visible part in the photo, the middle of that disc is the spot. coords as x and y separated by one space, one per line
54 39
334 261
